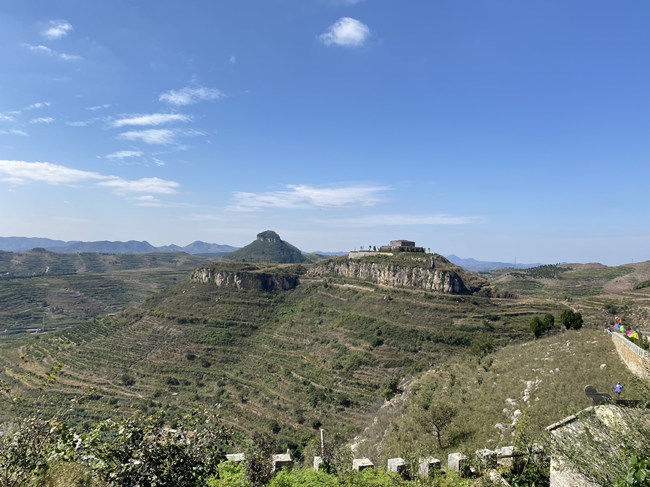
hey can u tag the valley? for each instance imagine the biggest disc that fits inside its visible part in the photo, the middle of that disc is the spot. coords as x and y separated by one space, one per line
287 349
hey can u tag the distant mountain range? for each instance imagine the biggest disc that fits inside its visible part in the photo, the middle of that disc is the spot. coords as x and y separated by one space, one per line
22 244
474 265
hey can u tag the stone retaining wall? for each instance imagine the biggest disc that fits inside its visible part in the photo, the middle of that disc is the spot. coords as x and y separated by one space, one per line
636 359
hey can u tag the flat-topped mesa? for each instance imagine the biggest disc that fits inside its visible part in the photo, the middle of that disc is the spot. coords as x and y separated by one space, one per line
248 276
431 272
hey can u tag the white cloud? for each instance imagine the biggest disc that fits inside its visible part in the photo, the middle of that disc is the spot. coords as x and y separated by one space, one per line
36 105
22 172
57 29
99 107
347 32
143 185
397 219
151 136
42 120
233 60
190 95
124 154
6 118
14 132
151 119
306 196
78 123
41 49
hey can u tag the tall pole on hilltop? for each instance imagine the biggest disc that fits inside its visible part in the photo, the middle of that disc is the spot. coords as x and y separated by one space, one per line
322 443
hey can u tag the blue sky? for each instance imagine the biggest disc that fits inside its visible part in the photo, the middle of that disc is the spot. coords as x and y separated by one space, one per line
490 129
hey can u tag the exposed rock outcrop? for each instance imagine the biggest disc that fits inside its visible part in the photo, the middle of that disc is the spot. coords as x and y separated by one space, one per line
245 279
425 276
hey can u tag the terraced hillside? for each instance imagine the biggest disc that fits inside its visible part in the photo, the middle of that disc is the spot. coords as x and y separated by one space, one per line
68 289
283 362
40 262
600 291
528 385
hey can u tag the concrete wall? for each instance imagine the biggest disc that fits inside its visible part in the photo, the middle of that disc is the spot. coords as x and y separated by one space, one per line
636 359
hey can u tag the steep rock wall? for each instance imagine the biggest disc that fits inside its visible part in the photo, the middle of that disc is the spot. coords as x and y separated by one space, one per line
244 279
430 279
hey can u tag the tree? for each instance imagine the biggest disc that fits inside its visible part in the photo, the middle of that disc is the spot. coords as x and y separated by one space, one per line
571 319
391 388
549 321
440 414
537 326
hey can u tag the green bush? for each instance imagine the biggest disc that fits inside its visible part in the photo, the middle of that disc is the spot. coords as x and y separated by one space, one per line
228 474
390 388
571 320
539 326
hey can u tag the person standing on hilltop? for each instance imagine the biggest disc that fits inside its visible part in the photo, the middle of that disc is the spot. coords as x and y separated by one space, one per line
618 388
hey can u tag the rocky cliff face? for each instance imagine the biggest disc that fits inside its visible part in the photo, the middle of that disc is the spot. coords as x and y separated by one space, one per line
430 279
244 279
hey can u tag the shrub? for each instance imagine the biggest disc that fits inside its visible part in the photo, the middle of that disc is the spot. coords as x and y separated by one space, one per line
390 388
482 345
141 451
537 327
127 380
229 474
571 320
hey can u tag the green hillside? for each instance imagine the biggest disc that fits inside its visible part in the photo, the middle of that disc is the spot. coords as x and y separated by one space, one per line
535 383
41 262
64 290
268 247
282 362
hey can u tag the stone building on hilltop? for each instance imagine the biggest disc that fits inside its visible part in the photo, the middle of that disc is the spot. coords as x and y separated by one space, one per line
401 246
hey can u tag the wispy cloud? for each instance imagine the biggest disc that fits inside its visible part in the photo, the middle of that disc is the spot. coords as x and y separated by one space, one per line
124 154
306 196
41 49
397 219
143 185
151 136
57 29
42 120
190 95
346 32
151 119
79 123
36 105
99 107
22 172
14 132
6 118
233 60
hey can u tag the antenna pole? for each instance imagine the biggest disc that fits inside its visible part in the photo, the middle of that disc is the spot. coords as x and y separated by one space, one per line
322 443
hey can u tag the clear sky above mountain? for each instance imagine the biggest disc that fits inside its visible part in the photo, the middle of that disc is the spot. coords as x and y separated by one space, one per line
488 129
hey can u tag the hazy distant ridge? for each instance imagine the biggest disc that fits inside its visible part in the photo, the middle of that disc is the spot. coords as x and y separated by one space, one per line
474 265
22 244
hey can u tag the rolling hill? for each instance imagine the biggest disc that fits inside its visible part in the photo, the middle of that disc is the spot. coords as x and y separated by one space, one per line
285 361
286 349
43 291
